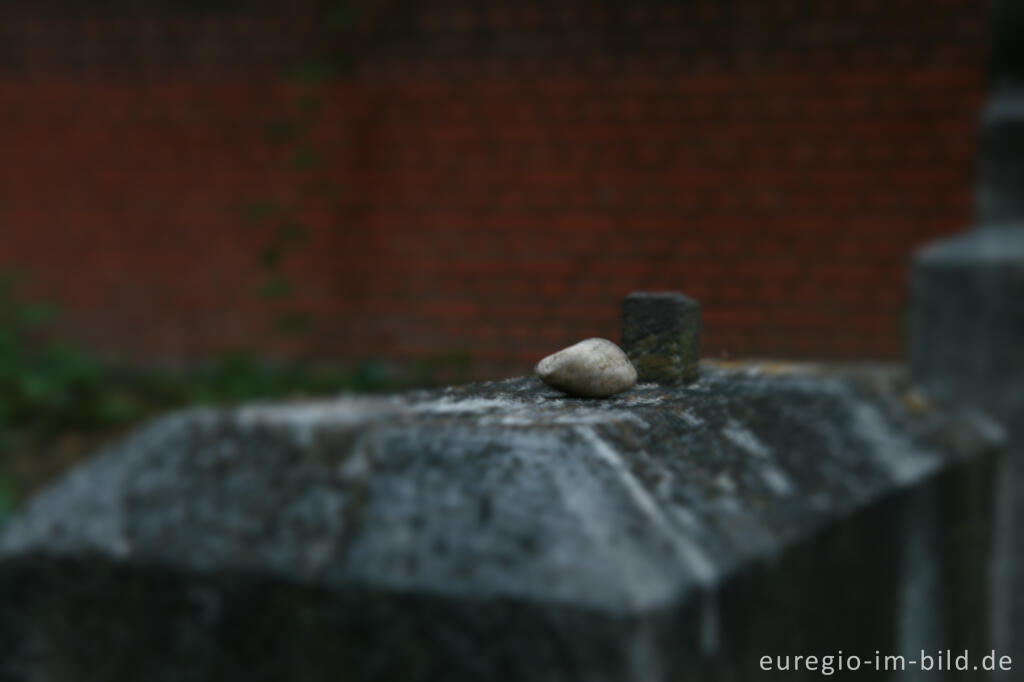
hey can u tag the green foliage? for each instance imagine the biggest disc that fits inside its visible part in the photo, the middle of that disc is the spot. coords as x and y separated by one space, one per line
293 322
282 130
292 129
275 286
305 159
43 383
48 389
449 368
49 386
239 376
260 211
336 14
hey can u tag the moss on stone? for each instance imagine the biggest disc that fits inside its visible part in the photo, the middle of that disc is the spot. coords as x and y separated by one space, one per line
662 360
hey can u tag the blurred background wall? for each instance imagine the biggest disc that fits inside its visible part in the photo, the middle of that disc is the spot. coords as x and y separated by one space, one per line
400 179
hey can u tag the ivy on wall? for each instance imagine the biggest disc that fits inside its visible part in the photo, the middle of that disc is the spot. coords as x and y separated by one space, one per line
325 62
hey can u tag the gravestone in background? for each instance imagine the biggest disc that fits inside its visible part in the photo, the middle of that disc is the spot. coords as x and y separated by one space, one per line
967 334
1000 192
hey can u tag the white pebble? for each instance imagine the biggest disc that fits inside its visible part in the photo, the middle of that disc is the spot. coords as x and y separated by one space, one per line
594 368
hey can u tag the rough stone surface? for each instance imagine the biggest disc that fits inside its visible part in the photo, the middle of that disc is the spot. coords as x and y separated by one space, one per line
506 531
661 336
593 368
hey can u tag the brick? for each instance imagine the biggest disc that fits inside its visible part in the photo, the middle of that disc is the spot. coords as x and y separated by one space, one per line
455 177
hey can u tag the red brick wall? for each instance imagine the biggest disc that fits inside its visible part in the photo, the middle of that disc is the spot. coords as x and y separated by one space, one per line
495 180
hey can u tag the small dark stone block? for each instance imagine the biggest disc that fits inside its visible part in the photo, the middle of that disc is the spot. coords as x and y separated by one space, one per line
661 336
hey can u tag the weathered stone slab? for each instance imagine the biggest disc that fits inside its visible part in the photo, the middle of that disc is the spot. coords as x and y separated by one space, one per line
661 336
505 531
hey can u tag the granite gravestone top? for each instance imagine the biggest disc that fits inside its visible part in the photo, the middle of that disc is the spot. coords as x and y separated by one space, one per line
492 530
